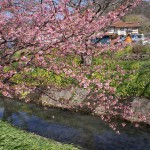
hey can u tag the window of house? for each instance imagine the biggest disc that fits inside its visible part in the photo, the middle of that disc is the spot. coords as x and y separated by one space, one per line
135 28
121 29
111 29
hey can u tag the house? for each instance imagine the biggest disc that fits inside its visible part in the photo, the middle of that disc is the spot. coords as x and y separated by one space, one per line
123 28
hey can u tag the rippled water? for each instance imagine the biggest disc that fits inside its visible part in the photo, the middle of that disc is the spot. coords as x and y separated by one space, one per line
86 131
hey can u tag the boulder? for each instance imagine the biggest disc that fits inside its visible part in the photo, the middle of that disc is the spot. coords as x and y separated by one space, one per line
141 110
62 97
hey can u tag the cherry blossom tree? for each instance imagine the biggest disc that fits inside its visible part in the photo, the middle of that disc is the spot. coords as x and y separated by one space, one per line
58 28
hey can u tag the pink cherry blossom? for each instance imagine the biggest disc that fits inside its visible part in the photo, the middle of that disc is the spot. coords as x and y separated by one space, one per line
44 35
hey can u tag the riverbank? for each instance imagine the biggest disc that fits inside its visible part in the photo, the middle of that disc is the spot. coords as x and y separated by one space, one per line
127 69
14 138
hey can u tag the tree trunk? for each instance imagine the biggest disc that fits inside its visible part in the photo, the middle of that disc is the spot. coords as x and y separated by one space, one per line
86 60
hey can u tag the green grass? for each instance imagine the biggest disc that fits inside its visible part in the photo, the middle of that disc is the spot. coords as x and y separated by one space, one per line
12 138
43 77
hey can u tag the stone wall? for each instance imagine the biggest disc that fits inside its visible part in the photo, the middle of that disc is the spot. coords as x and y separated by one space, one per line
73 97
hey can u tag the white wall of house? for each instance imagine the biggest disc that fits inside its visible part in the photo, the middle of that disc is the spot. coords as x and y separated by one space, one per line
135 30
122 31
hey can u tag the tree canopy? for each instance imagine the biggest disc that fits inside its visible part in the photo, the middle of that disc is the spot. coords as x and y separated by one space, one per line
44 31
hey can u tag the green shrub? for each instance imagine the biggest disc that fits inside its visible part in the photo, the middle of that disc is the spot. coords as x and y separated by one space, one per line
122 52
38 76
140 49
137 83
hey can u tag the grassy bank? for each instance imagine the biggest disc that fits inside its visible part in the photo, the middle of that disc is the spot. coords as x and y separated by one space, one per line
13 138
133 81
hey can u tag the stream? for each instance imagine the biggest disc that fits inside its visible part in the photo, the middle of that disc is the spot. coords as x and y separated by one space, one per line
86 131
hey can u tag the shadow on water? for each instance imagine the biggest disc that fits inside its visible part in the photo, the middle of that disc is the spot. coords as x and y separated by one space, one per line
68 127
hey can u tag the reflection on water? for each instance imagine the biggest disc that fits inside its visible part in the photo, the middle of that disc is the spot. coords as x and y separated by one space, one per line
83 130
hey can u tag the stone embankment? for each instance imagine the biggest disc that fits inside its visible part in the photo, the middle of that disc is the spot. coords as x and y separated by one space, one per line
73 97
